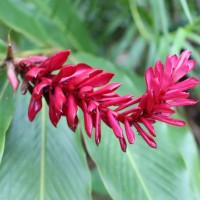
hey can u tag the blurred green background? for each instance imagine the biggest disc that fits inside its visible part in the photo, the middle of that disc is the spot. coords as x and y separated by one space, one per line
41 162
133 34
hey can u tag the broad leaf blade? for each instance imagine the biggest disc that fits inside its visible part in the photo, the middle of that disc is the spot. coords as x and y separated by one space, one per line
6 108
47 23
21 21
41 161
66 18
141 172
2 46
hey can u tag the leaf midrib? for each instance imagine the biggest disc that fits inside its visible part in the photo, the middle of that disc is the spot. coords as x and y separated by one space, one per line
138 174
43 154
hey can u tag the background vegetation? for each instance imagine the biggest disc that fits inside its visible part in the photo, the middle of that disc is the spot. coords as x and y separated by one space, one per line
125 37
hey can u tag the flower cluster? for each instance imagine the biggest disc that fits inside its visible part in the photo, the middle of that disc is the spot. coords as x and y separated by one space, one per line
67 87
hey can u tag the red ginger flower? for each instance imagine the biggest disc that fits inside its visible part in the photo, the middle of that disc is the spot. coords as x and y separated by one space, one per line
164 90
87 88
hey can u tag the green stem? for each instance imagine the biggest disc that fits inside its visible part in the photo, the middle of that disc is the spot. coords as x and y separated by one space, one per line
138 20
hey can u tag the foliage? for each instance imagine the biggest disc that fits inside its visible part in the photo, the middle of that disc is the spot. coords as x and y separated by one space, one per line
41 161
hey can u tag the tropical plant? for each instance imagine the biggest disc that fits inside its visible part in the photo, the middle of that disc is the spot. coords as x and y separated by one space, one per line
40 161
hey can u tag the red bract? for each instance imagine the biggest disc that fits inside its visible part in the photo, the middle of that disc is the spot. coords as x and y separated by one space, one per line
46 67
164 90
67 88
34 107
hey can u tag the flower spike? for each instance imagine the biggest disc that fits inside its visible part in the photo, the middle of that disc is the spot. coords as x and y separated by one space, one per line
67 88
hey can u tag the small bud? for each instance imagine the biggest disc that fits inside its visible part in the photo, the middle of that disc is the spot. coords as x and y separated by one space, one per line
12 75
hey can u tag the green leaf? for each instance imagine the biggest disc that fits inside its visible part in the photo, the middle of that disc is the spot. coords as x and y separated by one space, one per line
163 16
97 184
20 20
152 54
3 46
136 52
169 172
55 23
41 161
193 36
6 108
122 45
64 13
178 41
144 173
186 10
142 27
155 15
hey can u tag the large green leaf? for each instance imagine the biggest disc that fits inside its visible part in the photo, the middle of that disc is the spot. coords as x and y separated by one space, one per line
186 10
47 23
143 173
41 161
6 108
67 19
169 172
3 48
22 21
